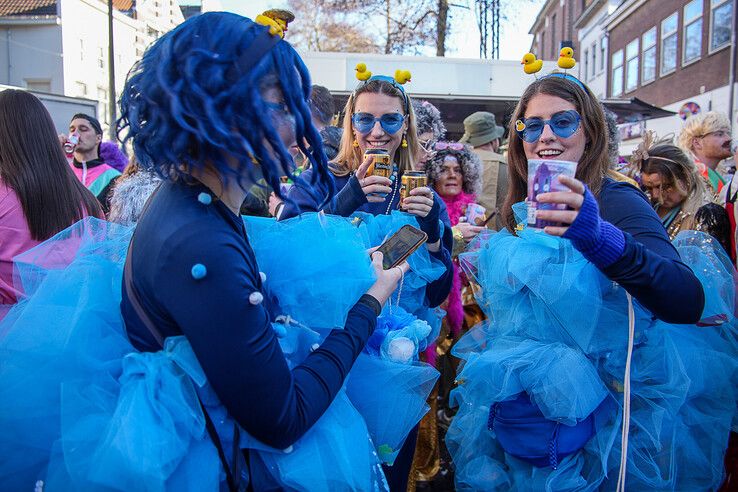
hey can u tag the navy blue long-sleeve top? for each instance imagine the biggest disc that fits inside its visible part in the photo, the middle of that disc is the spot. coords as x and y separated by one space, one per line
350 198
650 268
231 337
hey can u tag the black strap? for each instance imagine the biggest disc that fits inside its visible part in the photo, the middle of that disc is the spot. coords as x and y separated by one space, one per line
134 299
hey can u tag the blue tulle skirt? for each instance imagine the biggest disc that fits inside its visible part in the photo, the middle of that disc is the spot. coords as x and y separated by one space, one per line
80 409
558 333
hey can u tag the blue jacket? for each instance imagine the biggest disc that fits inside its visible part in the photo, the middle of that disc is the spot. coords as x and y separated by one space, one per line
350 198
650 268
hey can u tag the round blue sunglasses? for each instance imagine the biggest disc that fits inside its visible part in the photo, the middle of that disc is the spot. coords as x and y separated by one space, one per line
563 124
390 122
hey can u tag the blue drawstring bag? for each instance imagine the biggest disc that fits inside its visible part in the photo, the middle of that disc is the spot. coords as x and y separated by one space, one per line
525 433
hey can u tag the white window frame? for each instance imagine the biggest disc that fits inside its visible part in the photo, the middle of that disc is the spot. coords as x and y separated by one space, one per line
644 49
688 22
586 65
714 5
620 55
594 48
662 38
603 54
636 56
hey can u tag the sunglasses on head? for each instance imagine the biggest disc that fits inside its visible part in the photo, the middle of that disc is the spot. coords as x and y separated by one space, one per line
390 122
449 145
563 124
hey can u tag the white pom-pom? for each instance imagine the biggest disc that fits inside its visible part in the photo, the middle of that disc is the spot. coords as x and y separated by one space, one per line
401 349
263 276
256 298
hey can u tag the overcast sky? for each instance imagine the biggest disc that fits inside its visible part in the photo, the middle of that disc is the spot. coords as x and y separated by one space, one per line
463 41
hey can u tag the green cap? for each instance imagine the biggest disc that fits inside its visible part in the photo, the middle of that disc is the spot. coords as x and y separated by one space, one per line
480 128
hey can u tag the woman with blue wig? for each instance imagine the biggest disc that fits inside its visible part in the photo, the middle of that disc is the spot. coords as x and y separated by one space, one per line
217 368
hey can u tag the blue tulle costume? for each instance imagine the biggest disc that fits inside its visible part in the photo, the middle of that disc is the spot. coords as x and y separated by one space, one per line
557 336
81 409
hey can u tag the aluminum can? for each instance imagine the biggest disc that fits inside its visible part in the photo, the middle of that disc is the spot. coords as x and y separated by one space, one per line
381 166
410 181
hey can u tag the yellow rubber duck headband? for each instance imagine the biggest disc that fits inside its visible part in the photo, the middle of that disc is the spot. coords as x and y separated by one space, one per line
401 77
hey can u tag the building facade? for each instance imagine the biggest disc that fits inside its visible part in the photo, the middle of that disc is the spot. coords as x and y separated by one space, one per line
592 39
554 27
61 46
675 54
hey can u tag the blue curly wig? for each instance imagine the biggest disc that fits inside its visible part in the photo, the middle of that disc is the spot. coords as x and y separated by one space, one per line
196 97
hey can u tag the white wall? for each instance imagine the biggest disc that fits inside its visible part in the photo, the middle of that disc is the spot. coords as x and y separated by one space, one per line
32 53
430 75
589 35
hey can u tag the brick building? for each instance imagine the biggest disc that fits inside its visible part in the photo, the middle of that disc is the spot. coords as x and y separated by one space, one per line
670 53
554 25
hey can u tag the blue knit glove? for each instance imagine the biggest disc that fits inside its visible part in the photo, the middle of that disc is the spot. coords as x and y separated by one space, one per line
430 224
598 240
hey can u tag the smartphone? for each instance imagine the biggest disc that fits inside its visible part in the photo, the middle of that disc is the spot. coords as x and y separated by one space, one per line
400 245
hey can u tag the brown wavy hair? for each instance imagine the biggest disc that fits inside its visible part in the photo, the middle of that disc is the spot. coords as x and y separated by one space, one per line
349 158
33 165
593 164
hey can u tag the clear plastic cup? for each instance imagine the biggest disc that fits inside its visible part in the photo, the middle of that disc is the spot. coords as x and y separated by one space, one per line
543 177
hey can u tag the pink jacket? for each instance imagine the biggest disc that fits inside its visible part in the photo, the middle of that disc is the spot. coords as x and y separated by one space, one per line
15 238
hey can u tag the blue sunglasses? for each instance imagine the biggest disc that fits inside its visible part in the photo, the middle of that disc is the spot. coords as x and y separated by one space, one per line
563 124
390 122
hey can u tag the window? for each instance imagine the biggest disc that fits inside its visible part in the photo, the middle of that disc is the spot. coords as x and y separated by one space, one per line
553 37
648 57
81 89
586 64
594 59
617 73
100 57
631 65
669 43
603 52
721 20
81 50
692 31
543 45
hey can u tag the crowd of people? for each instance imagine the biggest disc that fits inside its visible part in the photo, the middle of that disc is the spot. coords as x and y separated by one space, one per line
208 309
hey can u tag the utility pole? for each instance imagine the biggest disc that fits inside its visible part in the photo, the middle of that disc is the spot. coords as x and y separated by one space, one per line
111 74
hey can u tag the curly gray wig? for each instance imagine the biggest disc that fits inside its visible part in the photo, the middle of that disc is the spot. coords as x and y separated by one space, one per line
428 119
471 168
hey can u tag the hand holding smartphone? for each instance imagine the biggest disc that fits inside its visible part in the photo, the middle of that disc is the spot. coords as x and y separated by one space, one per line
401 245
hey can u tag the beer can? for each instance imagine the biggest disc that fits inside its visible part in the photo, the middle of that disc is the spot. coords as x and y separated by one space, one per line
381 165
410 181
475 214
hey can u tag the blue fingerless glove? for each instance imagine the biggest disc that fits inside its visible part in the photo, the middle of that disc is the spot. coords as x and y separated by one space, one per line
430 224
598 240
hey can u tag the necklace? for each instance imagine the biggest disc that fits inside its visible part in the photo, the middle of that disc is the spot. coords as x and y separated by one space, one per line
394 191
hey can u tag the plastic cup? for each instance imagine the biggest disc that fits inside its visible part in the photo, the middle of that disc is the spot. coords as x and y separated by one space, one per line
543 177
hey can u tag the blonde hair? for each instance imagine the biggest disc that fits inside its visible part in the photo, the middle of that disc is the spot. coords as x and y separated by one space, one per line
700 125
349 157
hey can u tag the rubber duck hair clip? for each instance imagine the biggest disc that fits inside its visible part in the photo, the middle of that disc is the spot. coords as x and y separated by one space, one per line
531 64
364 75
276 20
566 58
